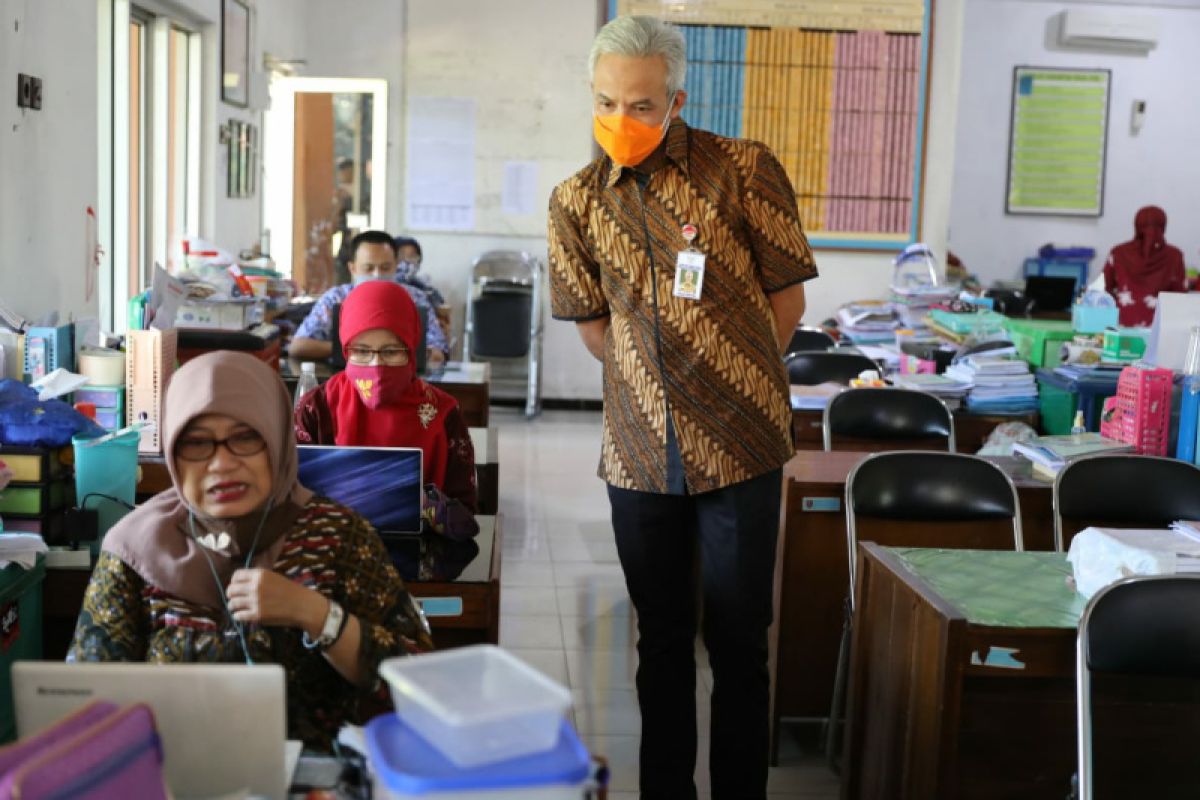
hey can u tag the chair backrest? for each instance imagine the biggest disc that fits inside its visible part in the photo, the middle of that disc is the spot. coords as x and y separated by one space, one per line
1123 490
932 499
1140 627
888 418
808 368
810 339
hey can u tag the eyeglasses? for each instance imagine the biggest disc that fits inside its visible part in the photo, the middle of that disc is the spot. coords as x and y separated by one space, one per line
392 355
202 448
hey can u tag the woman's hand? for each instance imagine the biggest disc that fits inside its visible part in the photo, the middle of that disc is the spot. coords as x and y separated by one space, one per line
268 598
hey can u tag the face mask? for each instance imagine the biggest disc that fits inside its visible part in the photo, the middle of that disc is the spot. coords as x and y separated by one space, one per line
406 269
626 140
380 385
359 280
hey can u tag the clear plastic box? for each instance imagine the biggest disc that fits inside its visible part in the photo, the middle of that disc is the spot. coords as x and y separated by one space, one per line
477 705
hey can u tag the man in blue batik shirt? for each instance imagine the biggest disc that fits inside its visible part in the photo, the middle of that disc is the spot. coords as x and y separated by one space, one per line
372 257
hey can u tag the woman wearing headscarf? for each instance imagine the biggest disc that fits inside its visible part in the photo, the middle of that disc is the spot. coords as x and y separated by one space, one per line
378 401
1139 269
239 562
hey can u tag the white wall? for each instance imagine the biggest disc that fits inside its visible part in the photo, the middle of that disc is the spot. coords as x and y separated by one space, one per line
1160 165
524 62
47 157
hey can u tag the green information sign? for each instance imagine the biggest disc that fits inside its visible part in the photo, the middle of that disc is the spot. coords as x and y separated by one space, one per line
1058 141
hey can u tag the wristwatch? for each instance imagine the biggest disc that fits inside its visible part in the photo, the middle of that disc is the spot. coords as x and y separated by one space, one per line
331 631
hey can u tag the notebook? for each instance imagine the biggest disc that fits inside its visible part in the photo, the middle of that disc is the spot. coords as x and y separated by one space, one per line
196 708
384 484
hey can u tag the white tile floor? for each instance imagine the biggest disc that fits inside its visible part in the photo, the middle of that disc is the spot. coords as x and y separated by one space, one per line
564 608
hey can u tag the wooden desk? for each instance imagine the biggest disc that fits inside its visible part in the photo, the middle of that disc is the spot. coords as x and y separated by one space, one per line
814 573
467 610
970 430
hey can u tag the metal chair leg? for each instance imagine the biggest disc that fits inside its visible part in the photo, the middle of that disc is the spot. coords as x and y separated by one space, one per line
838 702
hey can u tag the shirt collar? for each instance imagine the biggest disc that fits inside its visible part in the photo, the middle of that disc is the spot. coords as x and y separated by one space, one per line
674 149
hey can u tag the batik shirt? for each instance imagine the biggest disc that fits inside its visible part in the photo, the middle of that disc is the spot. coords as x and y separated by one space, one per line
712 365
319 321
330 549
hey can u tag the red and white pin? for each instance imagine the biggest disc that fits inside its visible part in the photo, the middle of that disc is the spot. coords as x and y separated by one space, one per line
689 232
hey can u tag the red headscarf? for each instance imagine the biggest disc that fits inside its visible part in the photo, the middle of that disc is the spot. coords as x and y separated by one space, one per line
1142 267
416 417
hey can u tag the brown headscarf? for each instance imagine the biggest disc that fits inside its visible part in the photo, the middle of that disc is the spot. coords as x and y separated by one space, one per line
155 539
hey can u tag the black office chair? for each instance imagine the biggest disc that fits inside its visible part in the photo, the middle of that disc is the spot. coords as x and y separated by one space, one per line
927 499
874 417
1122 490
808 368
810 339
1141 633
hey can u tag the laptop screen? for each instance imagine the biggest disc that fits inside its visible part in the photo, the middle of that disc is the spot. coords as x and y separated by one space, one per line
381 483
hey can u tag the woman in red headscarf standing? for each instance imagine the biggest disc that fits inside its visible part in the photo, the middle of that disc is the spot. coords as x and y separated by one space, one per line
1141 268
378 401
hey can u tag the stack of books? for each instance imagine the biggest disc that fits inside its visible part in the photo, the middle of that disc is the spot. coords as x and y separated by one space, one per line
1049 454
998 385
951 391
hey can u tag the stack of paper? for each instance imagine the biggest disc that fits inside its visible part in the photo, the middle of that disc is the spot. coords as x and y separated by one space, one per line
998 385
20 548
868 321
1050 454
913 303
951 391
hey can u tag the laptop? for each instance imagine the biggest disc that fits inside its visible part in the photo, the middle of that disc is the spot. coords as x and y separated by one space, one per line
337 358
1050 293
384 484
223 726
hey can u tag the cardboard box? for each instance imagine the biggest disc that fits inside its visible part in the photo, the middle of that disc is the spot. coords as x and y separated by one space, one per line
227 315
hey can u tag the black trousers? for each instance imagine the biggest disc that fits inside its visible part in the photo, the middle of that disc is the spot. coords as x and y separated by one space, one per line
658 536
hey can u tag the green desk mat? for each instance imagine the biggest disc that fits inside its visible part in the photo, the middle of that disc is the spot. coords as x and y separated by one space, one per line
1000 588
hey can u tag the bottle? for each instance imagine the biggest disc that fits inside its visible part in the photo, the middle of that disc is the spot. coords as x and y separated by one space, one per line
1189 407
307 382
1078 428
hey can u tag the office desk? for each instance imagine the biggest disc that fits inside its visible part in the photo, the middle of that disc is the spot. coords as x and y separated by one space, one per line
468 382
813 573
962 676
970 430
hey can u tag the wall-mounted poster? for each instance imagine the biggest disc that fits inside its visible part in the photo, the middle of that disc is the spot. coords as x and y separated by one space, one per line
1057 141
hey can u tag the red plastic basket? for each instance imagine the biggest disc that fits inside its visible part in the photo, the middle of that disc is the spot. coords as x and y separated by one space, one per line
1140 412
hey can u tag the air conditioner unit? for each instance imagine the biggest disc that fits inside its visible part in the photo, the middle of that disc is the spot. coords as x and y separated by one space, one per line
1107 30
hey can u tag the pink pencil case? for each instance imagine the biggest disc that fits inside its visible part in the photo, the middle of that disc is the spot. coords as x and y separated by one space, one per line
101 752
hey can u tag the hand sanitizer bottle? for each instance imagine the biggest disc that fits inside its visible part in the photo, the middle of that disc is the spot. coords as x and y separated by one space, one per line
1077 427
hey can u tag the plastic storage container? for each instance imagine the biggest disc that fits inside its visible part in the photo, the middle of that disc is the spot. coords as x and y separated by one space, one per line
1140 413
1056 408
107 472
477 705
406 766
1038 340
20 631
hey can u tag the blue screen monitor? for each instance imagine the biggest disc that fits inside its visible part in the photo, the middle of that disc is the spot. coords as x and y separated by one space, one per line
384 484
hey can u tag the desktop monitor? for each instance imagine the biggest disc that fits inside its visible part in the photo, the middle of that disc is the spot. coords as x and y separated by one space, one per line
384 484
223 726
1049 293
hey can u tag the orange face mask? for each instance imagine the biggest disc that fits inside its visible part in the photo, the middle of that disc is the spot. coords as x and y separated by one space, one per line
627 140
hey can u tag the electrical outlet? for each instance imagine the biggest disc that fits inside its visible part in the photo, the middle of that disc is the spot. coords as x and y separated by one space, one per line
29 91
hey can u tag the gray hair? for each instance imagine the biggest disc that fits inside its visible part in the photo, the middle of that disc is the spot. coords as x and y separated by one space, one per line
643 37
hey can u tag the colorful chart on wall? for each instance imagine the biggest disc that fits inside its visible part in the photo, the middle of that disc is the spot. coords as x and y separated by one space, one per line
837 90
1057 141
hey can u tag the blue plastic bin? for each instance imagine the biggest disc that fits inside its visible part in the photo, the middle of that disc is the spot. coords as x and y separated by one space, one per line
406 766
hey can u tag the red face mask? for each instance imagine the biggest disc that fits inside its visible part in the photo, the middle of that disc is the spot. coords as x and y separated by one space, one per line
380 385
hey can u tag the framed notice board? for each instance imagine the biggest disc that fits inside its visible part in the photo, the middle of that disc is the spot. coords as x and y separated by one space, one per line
1058 137
837 90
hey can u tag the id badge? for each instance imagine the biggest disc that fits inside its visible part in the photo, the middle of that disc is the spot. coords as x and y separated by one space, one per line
689 274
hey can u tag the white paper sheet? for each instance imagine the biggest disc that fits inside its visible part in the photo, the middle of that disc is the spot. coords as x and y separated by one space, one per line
440 190
1174 315
519 195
